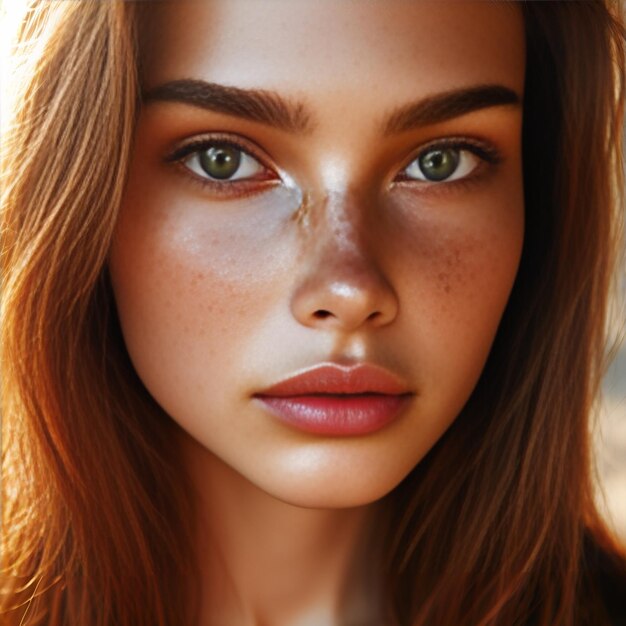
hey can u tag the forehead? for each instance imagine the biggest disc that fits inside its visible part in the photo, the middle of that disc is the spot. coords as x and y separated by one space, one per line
379 49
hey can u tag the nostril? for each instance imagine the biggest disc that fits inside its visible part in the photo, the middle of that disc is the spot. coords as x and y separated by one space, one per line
320 315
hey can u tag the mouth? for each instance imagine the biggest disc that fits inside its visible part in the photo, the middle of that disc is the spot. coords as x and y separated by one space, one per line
338 401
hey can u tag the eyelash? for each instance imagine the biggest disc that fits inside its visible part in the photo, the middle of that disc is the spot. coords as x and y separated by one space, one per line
227 189
486 152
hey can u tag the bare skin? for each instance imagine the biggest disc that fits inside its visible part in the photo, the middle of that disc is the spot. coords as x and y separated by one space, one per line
220 286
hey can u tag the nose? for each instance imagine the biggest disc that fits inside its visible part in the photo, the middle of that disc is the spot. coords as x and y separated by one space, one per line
341 285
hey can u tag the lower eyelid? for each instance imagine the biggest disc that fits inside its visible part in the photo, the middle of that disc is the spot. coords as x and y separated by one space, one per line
237 189
481 175
226 188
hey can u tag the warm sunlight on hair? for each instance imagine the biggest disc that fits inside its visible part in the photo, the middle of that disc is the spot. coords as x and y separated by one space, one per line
19 61
304 308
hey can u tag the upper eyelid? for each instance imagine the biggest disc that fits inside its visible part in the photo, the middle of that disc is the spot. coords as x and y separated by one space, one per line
195 144
484 150
489 155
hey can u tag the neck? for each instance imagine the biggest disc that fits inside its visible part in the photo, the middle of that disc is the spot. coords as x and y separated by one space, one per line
265 561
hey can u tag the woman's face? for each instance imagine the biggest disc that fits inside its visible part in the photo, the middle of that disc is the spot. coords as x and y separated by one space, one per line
371 212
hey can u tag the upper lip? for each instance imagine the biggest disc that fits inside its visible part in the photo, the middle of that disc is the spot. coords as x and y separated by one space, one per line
329 378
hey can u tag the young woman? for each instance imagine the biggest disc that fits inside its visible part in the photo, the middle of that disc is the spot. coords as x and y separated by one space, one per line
303 313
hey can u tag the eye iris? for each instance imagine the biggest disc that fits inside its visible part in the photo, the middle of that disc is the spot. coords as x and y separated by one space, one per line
220 162
439 164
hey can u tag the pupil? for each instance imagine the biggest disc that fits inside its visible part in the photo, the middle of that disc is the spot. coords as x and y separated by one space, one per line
220 162
439 164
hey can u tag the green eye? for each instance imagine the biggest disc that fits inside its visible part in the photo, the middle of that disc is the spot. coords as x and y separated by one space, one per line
439 164
446 163
220 162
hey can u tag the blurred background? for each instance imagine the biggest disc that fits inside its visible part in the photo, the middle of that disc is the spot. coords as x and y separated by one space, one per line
611 440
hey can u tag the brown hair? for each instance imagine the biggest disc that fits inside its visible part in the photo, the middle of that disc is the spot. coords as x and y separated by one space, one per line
493 527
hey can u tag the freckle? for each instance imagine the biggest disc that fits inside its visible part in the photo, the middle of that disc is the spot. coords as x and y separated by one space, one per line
196 278
444 282
453 269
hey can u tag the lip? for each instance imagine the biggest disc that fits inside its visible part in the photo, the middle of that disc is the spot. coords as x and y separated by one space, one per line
336 400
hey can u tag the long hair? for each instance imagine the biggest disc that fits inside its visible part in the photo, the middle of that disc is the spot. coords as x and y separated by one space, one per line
92 500
492 527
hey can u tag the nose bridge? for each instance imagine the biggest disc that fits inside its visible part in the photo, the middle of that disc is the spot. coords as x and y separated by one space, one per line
342 283
337 226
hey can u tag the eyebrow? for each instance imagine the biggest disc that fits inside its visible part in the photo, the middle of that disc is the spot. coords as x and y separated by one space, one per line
449 105
270 108
257 105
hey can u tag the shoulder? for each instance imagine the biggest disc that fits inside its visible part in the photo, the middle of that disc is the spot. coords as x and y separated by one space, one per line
604 581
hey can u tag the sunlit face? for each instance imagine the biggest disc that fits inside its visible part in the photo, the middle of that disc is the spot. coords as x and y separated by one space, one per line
346 234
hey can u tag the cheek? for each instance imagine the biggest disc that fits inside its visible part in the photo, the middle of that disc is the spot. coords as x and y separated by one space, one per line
190 286
460 262
467 276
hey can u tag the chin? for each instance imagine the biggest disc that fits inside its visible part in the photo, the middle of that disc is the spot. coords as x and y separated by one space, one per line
331 487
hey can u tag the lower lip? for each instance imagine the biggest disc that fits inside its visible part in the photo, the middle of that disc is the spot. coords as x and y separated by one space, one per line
335 414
